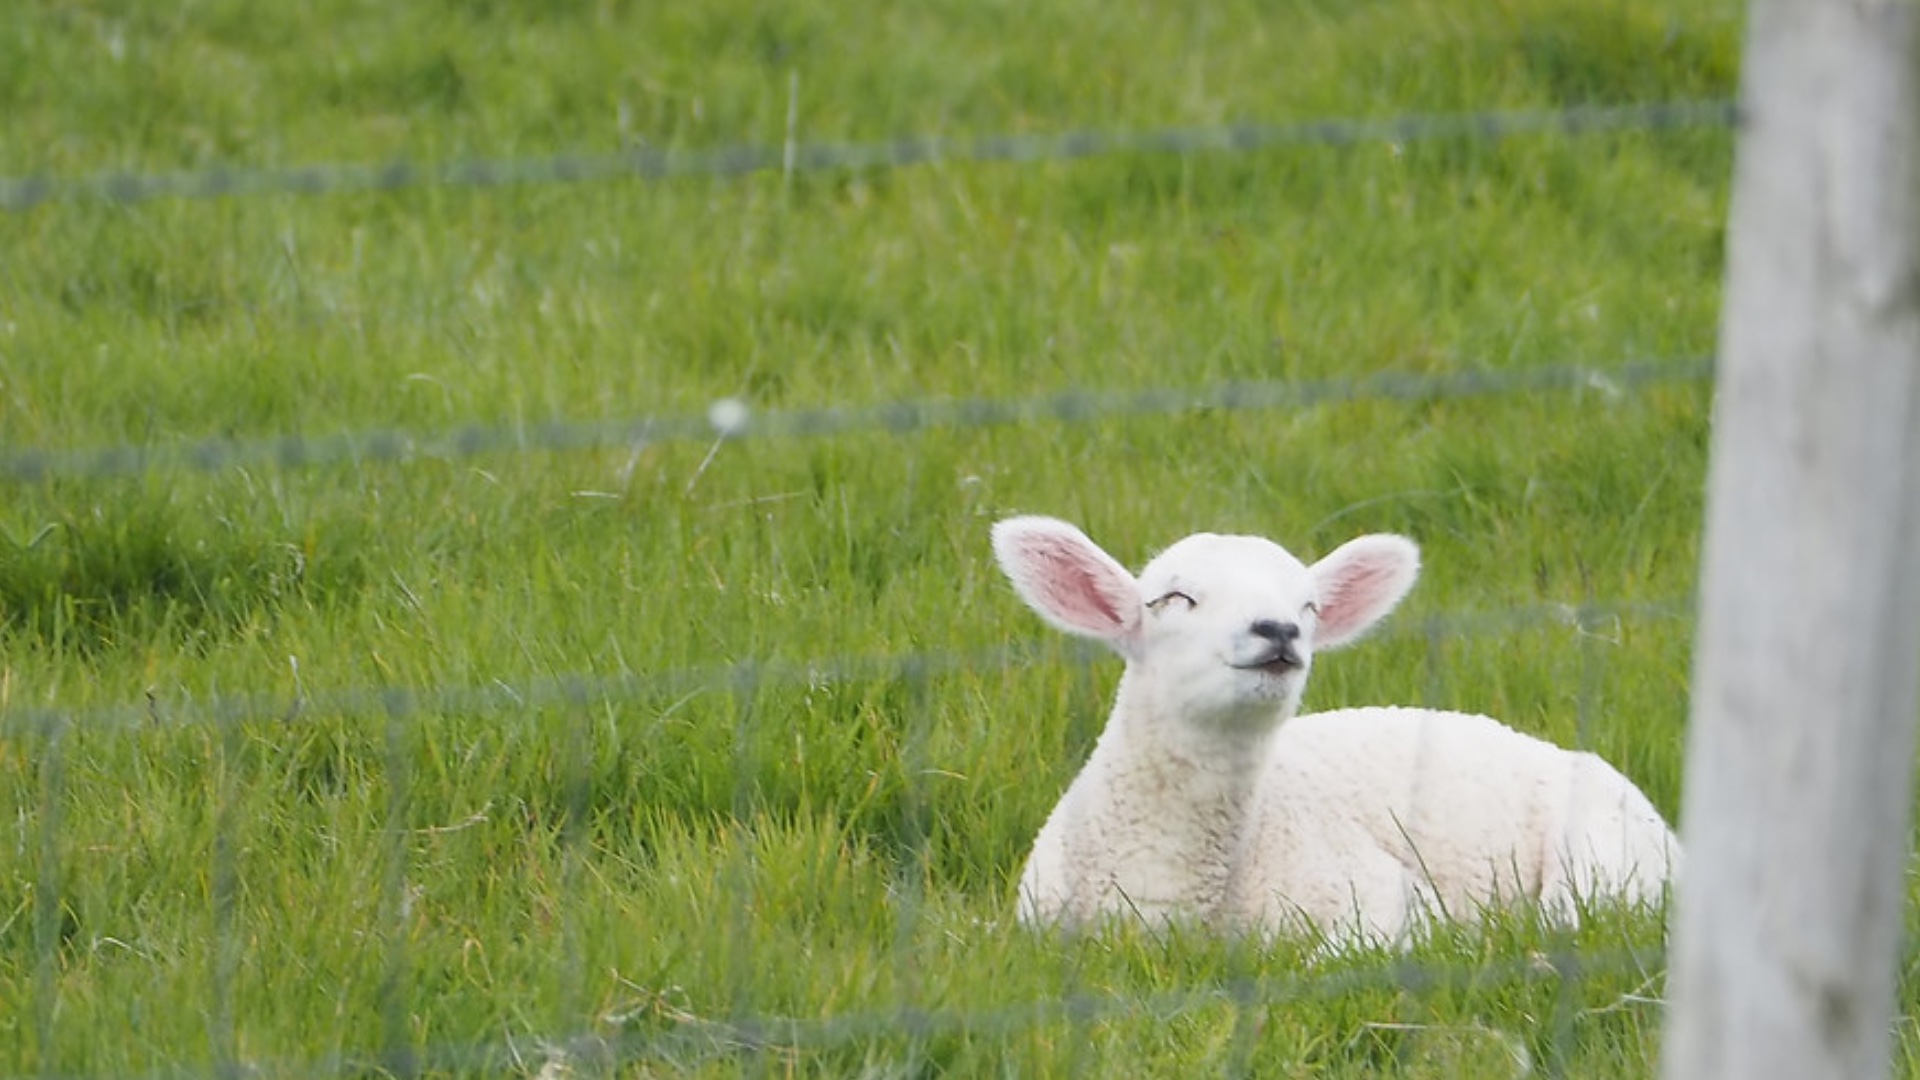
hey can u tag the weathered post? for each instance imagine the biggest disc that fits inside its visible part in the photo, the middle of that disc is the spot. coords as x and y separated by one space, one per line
1799 761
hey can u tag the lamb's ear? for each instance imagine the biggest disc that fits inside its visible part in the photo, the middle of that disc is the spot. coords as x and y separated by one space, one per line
1359 582
1067 578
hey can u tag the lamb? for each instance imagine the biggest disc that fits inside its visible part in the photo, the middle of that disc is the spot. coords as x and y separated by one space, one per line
1207 800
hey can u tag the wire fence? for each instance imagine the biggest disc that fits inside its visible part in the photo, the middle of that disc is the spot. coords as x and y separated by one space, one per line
687 1041
501 696
647 163
729 418
653 1030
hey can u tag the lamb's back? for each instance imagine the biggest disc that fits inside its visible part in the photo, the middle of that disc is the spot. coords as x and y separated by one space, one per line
1367 816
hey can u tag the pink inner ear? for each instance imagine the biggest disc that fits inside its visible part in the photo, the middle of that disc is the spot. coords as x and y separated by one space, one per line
1073 587
1363 585
1077 586
1349 598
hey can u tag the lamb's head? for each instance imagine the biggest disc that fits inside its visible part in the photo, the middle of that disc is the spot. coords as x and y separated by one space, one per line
1218 631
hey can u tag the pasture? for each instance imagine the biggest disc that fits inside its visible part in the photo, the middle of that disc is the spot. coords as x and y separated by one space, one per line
495 740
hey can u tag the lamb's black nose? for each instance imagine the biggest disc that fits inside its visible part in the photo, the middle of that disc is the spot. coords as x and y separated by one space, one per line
1277 632
1283 635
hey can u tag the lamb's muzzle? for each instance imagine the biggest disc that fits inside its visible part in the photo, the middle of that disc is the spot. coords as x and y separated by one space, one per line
1278 651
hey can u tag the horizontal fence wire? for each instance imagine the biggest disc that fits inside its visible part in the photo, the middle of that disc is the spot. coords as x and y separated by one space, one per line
583 688
682 1040
649 163
730 419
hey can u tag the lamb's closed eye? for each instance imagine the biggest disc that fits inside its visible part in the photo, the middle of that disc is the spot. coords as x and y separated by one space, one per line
1156 604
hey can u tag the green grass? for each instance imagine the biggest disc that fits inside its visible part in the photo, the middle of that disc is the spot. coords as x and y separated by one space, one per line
661 866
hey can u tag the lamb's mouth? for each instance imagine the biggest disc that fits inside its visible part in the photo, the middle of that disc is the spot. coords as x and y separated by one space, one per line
1279 660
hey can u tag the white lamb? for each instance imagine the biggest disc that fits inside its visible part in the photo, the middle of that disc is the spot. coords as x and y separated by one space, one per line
1206 800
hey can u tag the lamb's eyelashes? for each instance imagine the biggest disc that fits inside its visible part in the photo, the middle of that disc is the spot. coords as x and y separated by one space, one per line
1159 602
1154 605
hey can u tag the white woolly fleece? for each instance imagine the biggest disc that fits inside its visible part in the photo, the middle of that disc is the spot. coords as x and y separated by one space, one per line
1207 800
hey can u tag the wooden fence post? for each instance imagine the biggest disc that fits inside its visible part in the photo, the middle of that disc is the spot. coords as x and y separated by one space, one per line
1787 931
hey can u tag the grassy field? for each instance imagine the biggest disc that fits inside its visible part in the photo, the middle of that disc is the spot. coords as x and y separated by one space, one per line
696 758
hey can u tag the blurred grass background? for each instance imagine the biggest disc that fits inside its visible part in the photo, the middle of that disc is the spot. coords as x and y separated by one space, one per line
272 871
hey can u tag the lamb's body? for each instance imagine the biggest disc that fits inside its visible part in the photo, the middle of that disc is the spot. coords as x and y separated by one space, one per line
1356 822
1208 800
